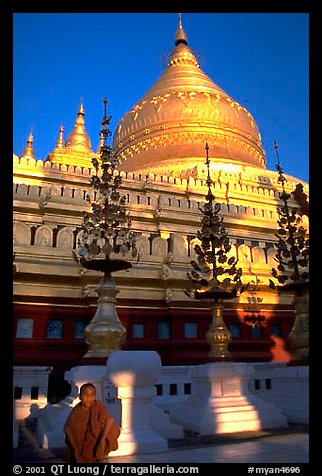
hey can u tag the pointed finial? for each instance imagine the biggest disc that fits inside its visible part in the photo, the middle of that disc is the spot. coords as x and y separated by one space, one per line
180 34
209 182
276 150
60 141
208 163
29 151
105 102
81 108
279 167
105 131
78 137
80 114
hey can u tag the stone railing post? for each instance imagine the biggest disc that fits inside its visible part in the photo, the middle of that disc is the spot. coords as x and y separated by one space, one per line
134 374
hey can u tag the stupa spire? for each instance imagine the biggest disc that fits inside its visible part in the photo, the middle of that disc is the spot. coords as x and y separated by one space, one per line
180 37
76 150
29 150
80 121
60 141
80 114
78 137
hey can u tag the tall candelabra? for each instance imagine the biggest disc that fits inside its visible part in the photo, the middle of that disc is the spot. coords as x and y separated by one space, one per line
106 231
214 275
292 255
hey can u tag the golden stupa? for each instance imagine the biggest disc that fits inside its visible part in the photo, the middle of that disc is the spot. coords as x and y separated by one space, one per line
161 146
77 149
167 129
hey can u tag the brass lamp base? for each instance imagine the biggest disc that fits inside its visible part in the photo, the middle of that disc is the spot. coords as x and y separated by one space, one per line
218 336
105 333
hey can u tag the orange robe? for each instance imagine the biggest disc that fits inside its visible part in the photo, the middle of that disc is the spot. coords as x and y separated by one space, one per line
87 426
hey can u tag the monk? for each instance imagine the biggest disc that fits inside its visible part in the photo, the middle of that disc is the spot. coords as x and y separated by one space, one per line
90 431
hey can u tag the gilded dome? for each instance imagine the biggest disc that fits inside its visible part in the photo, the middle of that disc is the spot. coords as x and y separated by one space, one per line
184 109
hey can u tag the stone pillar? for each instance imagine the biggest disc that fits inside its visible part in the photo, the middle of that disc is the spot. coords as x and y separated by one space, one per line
135 374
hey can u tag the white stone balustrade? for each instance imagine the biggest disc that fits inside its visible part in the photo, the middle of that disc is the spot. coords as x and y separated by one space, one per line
50 423
285 386
162 401
222 402
27 379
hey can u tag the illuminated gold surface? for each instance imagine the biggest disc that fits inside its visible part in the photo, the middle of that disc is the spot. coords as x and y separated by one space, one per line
29 150
218 336
105 333
183 110
77 148
51 194
79 138
60 141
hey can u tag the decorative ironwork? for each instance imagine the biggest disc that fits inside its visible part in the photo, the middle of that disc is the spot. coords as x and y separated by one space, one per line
293 244
301 198
214 275
213 268
253 316
293 259
106 230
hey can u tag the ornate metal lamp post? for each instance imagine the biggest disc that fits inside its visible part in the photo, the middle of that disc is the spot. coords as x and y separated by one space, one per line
293 258
212 264
106 230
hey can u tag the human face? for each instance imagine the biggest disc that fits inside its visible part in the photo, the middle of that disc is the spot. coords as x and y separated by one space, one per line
87 396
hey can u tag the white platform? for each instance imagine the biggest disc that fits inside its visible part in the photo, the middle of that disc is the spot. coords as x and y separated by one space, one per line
222 402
